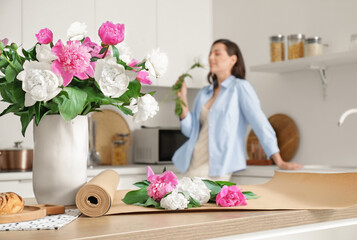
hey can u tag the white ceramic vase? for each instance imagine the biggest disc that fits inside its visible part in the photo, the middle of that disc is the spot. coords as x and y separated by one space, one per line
60 159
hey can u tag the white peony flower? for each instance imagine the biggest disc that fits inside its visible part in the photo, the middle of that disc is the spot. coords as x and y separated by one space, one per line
112 77
174 201
144 107
77 31
44 54
195 187
39 82
156 63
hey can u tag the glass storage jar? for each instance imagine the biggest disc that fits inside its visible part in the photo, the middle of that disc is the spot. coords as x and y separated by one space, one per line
120 148
313 46
277 48
296 46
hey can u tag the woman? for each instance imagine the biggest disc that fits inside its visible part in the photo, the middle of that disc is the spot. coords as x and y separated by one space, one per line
217 125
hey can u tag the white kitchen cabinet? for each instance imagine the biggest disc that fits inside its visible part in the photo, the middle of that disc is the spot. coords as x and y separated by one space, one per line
22 187
184 33
56 16
139 19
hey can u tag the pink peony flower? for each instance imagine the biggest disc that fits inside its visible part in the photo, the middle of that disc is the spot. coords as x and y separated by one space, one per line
160 184
230 196
45 36
73 60
111 34
143 76
95 48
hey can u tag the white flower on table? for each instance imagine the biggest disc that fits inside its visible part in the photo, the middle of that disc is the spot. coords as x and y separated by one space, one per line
156 63
195 187
39 82
112 77
174 201
77 31
144 107
44 53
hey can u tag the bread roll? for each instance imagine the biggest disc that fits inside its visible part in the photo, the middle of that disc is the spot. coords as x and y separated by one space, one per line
11 203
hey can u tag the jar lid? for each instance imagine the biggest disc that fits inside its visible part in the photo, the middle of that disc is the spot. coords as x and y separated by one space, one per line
298 36
313 40
277 38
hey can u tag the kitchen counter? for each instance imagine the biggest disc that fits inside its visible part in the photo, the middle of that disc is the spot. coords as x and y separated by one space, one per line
140 169
183 225
261 171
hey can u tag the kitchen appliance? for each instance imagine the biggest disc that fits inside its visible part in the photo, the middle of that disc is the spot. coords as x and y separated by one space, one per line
156 145
16 158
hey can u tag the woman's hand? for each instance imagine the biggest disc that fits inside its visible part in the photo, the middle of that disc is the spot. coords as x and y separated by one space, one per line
182 94
285 165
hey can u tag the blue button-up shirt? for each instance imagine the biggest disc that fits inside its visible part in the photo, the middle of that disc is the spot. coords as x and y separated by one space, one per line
236 106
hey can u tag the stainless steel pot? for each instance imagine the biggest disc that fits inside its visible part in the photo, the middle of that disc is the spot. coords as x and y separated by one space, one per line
16 158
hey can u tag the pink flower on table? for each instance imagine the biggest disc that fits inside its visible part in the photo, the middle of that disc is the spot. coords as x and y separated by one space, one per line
95 48
160 184
73 60
111 34
143 76
45 36
230 196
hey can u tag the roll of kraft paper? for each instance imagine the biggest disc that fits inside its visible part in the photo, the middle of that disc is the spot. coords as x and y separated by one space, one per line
95 198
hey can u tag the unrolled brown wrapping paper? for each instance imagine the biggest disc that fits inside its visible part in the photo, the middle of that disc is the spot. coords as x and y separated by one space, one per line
286 190
96 197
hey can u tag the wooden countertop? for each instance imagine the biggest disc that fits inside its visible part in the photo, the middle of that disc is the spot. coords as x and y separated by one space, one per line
182 225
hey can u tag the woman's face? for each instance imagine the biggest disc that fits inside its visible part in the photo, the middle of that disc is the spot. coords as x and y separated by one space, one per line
219 60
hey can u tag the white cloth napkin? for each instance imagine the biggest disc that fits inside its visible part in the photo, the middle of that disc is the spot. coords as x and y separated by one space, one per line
52 222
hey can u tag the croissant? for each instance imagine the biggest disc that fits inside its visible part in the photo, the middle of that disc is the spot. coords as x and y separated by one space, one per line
11 203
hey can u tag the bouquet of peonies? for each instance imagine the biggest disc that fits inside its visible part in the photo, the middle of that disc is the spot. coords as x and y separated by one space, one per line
77 77
165 191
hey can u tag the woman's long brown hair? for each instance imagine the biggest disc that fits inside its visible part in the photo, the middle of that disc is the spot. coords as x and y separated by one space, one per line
238 70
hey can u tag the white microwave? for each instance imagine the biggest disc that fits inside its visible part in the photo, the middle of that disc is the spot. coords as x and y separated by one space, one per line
156 145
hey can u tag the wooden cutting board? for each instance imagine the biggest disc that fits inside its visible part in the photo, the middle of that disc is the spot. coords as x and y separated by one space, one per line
30 213
109 123
287 134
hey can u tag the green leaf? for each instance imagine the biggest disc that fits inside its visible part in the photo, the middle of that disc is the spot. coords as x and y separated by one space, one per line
26 118
152 202
132 92
70 102
193 203
18 66
142 184
115 52
222 183
125 110
2 46
3 62
214 187
136 196
10 73
250 195
164 170
11 109
103 50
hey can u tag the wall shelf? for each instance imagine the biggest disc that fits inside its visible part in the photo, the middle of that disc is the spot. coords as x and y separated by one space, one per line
319 63
307 63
